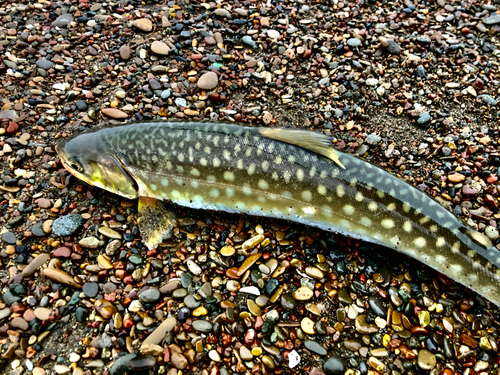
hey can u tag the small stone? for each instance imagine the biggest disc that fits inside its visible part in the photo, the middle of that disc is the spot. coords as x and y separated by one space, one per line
87 242
90 289
314 347
161 331
60 276
178 360
208 81
63 20
142 362
9 237
42 313
35 264
111 233
424 118
307 326
194 268
426 360
253 308
160 48
202 326
456 177
249 262
245 354
143 24
114 113
125 52
334 365
45 64
105 308
304 293
214 356
353 42
150 295
104 262
227 251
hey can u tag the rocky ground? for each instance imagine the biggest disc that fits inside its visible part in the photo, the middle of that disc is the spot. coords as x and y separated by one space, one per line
410 86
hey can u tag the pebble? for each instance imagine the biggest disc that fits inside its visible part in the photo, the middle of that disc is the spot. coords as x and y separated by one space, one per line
160 48
143 24
111 233
334 365
161 331
114 113
426 360
208 81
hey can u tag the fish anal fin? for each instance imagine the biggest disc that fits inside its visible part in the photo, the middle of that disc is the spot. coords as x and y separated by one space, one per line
316 142
156 221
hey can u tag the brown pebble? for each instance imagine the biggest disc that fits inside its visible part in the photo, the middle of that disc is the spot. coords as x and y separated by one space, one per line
143 24
114 113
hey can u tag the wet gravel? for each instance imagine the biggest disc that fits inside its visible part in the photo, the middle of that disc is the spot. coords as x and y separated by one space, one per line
410 86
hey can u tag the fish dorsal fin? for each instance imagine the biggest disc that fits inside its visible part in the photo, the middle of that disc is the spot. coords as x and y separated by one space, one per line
478 238
312 141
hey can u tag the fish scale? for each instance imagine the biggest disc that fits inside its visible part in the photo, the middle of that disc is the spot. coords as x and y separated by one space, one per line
285 174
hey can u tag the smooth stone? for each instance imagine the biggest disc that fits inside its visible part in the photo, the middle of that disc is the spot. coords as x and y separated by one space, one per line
492 20
42 313
121 364
206 290
245 353
62 252
208 81
45 64
353 42
377 305
194 268
63 20
111 233
150 295
288 302
143 24
424 118
334 365
249 262
19 323
202 326
60 276
90 289
160 48
4 313
114 113
178 360
142 362
170 286
89 242
314 347
125 52
9 237
161 331
363 327
35 264
426 360
304 293
186 279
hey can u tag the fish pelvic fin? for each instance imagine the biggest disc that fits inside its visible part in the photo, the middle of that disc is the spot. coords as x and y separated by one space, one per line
156 221
316 142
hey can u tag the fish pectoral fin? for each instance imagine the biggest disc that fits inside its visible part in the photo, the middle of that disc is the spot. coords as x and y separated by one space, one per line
316 142
156 221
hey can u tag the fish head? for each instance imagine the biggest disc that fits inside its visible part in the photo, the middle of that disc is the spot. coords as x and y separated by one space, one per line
86 157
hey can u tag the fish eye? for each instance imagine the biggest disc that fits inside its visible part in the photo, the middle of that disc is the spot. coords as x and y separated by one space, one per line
74 164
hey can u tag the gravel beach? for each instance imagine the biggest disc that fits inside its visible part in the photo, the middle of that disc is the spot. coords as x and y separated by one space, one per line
412 87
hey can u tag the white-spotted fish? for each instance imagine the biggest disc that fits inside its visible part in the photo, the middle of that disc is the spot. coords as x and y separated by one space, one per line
279 173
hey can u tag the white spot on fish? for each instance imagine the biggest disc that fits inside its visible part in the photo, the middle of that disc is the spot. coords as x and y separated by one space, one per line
275 176
195 184
441 259
265 166
211 178
380 193
203 162
228 176
197 146
365 221
207 150
440 242
216 162
407 226
391 206
359 197
226 154
327 210
287 176
153 187
306 195
300 174
214 193
340 191
372 206
164 182
309 210
278 160
387 223
406 207
420 241
251 169
262 184
321 189
456 268
287 194
247 190
180 157
261 199
195 172
239 164
348 209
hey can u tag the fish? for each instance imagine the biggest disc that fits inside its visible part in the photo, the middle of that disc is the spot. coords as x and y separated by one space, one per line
283 173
